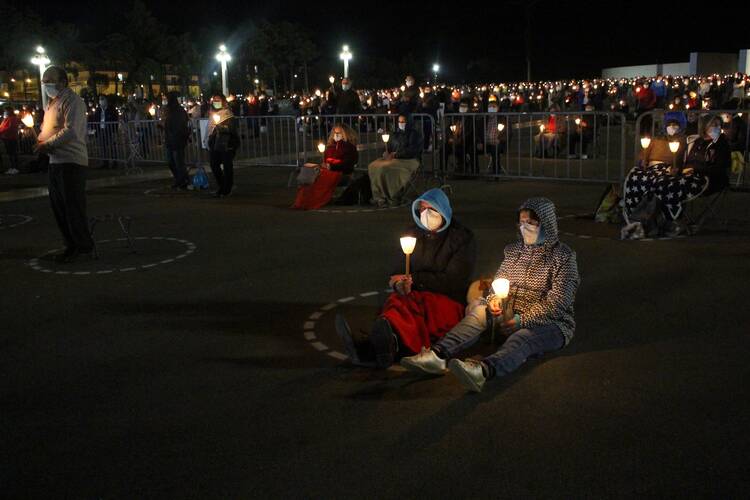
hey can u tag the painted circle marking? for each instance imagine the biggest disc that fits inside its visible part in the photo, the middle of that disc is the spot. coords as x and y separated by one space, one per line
25 219
190 248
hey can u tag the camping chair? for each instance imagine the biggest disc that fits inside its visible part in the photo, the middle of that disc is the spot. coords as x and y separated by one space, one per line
706 208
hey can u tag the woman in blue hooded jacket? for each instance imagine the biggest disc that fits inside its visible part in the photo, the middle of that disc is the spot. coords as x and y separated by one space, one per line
430 300
543 276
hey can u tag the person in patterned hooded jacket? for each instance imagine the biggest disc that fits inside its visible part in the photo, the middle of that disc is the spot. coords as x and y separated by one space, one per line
543 276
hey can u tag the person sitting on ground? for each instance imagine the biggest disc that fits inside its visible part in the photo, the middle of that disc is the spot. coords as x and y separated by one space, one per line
339 159
390 175
223 141
658 151
428 301
543 276
9 136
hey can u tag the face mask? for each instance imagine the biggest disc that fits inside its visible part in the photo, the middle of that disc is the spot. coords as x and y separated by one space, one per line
51 89
714 133
346 87
402 126
463 110
672 129
529 232
337 137
492 109
431 219
217 105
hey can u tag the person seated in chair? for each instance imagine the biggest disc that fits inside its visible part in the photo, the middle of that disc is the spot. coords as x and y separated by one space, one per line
658 151
339 159
546 141
709 157
428 301
391 174
543 276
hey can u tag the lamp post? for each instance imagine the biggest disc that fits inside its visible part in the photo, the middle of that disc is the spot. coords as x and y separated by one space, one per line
435 70
41 60
223 57
345 56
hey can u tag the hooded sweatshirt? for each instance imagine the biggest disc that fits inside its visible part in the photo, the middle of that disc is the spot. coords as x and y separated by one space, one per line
443 260
543 277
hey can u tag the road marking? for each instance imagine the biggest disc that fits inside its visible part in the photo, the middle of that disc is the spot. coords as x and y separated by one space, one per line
338 355
346 299
310 336
309 325
319 346
316 315
328 307
25 219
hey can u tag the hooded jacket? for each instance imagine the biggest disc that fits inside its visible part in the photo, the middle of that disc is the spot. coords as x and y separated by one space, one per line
543 277
443 260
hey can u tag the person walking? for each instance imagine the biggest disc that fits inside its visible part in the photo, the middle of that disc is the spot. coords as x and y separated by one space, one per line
176 133
63 139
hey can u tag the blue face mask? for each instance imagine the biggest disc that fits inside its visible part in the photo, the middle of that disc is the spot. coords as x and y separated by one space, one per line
714 133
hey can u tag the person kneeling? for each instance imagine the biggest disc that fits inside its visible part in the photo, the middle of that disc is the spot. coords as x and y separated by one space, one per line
430 300
543 276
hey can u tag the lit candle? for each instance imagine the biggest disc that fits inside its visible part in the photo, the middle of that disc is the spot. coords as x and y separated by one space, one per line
578 121
500 127
541 127
216 117
386 138
645 142
407 245
674 146
501 287
321 148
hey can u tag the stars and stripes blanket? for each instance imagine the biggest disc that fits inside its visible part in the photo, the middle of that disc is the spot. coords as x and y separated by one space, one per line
671 190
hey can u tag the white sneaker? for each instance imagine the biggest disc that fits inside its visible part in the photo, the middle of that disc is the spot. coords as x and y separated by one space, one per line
425 362
469 373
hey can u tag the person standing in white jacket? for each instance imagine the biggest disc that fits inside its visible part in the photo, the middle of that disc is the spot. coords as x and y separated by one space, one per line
63 138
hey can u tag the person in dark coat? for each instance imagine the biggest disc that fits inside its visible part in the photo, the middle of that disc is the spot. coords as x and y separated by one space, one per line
106 119
347 99
710 157
537 317
735 130
176 134
428 301
390 175
223 141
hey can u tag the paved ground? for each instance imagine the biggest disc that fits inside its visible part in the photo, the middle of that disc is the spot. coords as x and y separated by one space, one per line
192 378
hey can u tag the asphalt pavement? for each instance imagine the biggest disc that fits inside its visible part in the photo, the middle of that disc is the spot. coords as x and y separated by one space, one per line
184 370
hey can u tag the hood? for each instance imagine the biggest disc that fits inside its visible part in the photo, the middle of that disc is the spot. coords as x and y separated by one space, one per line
437 200
679 117
545 210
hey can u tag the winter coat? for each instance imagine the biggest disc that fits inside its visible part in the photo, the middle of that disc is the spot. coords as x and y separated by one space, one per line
348 103
443 260
736 133
407 144
543 278
223 136
712 159
341 156
176 131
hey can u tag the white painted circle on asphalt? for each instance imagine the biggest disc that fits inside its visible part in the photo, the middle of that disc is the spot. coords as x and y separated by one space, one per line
10 221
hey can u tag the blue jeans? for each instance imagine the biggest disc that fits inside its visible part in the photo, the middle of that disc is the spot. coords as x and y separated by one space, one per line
520 346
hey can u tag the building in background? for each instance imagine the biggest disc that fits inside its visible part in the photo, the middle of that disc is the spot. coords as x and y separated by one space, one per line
699 63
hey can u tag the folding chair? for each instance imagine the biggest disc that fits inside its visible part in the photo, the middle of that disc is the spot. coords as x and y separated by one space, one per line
706 208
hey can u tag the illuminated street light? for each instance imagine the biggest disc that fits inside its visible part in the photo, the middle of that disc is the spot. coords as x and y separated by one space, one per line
223 57
41 60
345 56
435 71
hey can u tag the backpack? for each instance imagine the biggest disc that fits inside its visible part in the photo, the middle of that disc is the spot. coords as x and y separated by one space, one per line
200 179
359 192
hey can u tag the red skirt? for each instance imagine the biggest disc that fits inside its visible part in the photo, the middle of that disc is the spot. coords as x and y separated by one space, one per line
319 193
421 317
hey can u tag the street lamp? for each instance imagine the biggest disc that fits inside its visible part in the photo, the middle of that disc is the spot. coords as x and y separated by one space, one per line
346 57
435 70
223 57
41 60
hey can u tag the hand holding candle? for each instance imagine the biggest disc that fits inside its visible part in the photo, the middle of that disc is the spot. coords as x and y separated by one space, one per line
501 287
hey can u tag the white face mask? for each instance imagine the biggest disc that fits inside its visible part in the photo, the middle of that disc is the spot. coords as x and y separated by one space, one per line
672 130
51 89
714 133
402 126
163 102
431 219
337 137
346 86
463 110
492 109
529 232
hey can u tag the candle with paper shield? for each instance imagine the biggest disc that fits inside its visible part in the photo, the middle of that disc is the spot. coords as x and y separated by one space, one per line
407 245
28 120
645 142
501 287
674 146
321 148
217 117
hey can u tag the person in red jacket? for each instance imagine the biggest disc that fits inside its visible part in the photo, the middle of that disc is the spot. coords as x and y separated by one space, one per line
339 159
9 136
646 98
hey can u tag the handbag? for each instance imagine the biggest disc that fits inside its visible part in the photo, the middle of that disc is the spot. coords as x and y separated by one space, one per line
307 175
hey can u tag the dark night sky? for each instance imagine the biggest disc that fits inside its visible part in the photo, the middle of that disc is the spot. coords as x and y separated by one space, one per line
570 38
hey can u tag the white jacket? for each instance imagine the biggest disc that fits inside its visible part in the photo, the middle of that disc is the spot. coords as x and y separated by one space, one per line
64 129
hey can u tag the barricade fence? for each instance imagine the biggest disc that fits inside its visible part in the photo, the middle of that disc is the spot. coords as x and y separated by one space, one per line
581 146
652 125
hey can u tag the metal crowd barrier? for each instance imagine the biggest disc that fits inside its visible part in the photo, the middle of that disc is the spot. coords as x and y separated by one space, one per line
651 124
580 146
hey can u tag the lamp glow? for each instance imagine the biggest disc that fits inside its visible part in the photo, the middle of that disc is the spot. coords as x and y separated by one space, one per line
345 56
223 57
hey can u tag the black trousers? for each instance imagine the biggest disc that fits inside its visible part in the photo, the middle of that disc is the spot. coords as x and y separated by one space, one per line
225 177
67 194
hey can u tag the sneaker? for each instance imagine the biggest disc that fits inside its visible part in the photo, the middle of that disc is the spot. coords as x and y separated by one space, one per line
469 373
383 342
425 362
